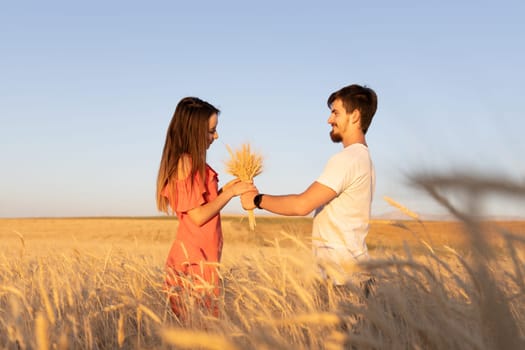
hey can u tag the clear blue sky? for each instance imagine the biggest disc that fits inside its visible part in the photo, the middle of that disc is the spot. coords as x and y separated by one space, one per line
88 88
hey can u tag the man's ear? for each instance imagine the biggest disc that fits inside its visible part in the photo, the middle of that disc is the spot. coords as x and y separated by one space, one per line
355 116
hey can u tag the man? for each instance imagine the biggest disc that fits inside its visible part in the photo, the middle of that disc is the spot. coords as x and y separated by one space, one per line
342 195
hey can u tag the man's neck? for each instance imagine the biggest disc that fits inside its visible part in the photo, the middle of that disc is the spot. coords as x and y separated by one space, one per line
352 139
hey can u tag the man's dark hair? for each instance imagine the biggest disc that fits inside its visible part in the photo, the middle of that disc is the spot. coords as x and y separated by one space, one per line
356 96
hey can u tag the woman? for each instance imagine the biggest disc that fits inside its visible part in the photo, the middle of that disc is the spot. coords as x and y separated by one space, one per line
188 187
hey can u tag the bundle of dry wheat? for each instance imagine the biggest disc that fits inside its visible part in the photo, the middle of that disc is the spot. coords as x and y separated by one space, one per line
244 165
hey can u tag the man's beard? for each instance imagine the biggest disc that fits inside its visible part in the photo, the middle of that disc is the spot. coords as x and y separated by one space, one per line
336 138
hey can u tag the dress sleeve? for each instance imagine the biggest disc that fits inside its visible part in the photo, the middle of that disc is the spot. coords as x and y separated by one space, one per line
188 194
184 196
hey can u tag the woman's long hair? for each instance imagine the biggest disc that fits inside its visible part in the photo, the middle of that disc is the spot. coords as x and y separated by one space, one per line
187 135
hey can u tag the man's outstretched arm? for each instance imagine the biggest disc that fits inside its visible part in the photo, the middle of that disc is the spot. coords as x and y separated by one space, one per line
292 204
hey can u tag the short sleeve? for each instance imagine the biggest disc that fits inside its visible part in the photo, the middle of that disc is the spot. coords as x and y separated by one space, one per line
332 175
183 195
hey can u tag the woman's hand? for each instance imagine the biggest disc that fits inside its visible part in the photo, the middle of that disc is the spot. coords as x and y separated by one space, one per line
238 187
242 187
229 185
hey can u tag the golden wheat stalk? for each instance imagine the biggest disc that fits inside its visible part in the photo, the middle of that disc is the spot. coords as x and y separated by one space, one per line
121 335
43 294
41 331
401 207
244 165
317 318
189 339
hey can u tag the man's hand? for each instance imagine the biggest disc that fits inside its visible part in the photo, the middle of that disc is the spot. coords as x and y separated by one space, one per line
247 200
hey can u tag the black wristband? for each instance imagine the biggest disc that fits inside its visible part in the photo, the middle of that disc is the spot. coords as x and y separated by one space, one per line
257 200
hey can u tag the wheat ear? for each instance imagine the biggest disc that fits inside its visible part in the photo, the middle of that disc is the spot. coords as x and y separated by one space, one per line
245 165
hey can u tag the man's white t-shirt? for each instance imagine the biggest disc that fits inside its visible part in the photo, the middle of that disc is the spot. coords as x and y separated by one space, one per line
340 227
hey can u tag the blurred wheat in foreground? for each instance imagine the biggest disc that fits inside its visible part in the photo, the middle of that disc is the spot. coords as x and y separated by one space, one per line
111 296
245 165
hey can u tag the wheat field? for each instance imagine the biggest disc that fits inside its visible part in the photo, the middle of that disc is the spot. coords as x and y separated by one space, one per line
97 283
